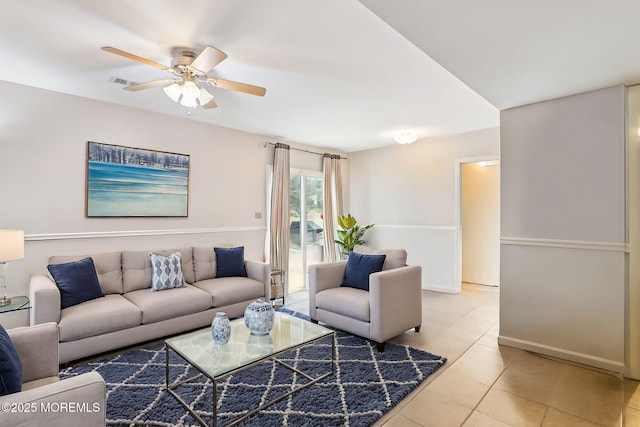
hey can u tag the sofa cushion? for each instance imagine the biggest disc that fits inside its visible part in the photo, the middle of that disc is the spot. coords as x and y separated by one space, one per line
137 272
99 316
346 301
167 272
359 267
77 281
108 267
230 262
231 290
395 257
204 261
170 303
10 365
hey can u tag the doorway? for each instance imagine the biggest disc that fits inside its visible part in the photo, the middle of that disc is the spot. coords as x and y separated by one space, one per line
306 246
479 221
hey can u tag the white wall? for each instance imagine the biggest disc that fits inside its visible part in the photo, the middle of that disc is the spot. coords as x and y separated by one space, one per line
43 137
563 260
632 338
409 193
480 223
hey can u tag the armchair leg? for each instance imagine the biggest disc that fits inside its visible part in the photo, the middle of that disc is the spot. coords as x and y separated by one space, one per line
380 346
417 328
314 321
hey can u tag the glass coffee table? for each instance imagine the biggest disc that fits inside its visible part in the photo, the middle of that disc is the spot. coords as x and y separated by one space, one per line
216 361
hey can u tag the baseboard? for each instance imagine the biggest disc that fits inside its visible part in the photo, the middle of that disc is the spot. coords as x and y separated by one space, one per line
437 288
560 353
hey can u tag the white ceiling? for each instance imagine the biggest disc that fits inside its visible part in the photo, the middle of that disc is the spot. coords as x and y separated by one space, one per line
516 52
337 75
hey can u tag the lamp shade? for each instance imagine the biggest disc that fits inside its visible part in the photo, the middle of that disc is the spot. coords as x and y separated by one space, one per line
190 90
205 97
174 91
11 245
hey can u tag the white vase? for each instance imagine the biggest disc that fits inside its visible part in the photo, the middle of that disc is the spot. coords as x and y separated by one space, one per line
258 317
221 328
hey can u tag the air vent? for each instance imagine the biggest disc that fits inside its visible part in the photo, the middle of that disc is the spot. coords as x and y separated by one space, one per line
119 81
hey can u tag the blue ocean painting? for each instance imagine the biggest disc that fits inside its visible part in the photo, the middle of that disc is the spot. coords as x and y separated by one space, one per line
152 187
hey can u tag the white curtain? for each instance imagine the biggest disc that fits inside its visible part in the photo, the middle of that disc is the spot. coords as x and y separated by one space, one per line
279 220
337 185
332 193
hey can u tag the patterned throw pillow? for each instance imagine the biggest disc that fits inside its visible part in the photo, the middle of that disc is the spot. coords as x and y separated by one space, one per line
167 272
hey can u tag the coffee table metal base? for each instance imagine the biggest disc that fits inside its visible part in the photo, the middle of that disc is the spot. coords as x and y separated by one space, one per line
311 381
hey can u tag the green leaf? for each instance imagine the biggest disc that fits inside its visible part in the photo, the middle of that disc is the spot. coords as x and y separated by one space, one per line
351 234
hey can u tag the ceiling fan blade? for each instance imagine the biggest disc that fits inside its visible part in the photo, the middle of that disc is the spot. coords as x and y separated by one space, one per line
240 87
135 57
210 104
208 58
147 85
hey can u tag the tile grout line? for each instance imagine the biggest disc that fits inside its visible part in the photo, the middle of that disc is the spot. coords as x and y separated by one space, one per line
492 384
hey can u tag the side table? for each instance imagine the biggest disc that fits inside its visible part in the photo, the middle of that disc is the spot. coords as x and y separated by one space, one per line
17 303
277 285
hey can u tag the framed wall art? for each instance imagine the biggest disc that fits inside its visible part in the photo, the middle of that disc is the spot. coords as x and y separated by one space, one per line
134 182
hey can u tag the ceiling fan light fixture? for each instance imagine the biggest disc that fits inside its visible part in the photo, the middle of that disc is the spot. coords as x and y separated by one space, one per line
190 69
173 91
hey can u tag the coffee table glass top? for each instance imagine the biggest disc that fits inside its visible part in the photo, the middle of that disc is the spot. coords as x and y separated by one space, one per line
216 360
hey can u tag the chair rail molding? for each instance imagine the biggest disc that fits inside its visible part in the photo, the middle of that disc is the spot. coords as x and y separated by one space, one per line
566 244
137 233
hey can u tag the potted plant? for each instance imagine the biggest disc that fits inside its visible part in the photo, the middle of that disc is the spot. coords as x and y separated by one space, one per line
350 234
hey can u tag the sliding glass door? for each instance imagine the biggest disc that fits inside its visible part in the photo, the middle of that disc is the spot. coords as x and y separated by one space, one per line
306 226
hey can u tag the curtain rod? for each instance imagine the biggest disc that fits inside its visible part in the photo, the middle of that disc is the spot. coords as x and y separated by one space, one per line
308 151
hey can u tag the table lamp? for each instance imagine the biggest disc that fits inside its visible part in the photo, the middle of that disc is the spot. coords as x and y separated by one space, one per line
11 249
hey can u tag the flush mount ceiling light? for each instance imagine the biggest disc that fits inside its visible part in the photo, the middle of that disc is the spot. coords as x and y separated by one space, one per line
406 138
189 76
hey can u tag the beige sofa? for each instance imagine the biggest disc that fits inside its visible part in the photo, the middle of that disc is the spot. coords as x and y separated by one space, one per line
44 399
130 313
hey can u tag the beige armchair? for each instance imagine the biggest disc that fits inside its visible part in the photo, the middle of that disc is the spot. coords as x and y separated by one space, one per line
392 305
44 399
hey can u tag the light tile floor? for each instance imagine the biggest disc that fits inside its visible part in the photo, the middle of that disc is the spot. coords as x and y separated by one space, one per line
484 384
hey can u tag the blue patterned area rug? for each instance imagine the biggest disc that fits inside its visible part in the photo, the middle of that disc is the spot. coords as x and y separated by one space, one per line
366 384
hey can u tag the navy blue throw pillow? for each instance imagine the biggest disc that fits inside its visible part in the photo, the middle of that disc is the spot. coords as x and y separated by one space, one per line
359 267
77 281
10 366
230 262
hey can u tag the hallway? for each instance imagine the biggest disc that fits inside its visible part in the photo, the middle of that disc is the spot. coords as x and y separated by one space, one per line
484 384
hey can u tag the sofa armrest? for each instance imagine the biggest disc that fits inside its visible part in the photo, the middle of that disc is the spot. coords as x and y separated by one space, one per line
396 297
324 276
37 347
76 401
44 298
260 271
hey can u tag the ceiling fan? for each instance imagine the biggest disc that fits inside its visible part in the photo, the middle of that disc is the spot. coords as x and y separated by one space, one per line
189 71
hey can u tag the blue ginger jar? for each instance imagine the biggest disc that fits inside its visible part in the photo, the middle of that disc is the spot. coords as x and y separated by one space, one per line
258 317
221 328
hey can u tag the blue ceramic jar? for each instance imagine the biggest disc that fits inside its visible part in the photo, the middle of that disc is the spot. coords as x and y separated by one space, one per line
221 328
258 317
